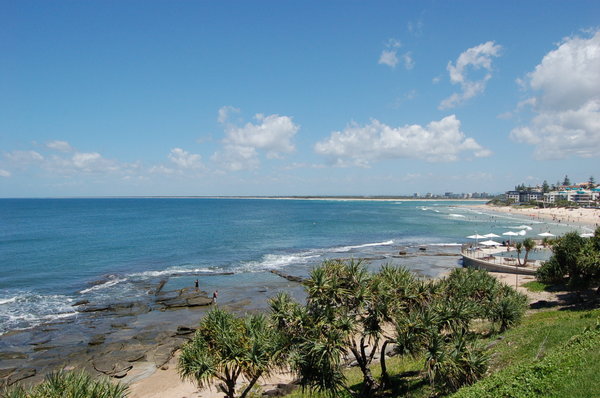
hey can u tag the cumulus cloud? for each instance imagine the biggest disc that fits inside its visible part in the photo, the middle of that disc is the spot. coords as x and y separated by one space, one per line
409 63
224 113
70 162
24 158
439 141
565 101
389 55
389 58
5 173
272 134
474 58
185 159
61 146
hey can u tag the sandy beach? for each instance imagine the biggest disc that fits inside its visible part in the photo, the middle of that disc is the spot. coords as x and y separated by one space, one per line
582 217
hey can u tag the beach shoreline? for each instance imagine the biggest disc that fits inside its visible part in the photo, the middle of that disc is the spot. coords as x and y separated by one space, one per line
582 217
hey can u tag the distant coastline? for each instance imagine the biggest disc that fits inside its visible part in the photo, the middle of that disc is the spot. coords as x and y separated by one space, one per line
339 198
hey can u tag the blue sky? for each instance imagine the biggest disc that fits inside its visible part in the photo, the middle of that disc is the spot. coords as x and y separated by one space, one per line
296 98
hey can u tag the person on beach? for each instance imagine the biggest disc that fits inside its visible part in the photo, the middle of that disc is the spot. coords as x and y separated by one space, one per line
196 284
214 297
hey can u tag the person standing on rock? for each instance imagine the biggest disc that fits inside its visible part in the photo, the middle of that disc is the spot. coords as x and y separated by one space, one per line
215 295
196 284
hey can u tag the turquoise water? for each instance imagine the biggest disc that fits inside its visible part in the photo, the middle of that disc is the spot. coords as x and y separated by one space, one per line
57 251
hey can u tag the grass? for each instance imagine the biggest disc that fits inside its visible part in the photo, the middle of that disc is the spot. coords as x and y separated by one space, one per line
535 359
570 370
535 286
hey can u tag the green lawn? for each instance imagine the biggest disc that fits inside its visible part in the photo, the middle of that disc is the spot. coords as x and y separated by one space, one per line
534 359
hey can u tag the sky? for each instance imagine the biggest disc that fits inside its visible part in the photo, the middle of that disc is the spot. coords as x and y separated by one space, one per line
122 98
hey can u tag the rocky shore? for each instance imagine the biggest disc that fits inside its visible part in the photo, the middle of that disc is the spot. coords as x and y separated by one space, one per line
106 339
129 340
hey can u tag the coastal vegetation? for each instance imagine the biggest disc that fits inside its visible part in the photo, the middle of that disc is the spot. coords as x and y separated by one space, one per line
226 347
65 384
575 261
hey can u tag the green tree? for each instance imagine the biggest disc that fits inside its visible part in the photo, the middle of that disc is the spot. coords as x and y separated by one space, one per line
591 183
226 347
528 245
69 385
575 259
519 248
566 181
545 187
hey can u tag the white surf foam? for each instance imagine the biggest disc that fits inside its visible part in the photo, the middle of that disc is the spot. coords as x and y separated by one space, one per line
102 286
172 271
275 261
27 309
8 301
343 249
456 215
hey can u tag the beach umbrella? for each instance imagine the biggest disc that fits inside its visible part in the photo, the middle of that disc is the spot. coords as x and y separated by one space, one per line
489 243
587 235
476 236
546 234
510 233
491 235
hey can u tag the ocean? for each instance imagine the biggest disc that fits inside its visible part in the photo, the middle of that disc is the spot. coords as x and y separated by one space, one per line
56 252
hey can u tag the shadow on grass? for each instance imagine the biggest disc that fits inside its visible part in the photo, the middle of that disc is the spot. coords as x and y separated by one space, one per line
569 299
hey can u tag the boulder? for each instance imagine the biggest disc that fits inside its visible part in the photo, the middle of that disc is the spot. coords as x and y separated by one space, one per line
112 368
12 355
17 375
97 339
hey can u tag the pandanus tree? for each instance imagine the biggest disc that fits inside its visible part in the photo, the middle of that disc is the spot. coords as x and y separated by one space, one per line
226 348
519 248
342 317
528 245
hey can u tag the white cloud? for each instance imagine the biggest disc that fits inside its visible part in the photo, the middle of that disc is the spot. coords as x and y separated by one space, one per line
237 158
24 158
566 101
272 134
439 141
61 146
4 173
389 56
185 159
161 169
475 58
409 63
225 112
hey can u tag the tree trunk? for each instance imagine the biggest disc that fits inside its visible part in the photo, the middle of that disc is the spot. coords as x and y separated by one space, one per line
369 383
385 378
250 385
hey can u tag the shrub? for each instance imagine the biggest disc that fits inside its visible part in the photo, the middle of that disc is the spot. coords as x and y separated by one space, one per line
69 385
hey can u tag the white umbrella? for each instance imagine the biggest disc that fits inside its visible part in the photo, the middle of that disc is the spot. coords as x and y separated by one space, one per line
587 235
476 236
546 234
510 233
522 232
489 243
491 235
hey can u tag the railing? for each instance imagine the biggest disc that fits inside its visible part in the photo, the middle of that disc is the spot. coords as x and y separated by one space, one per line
496 258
